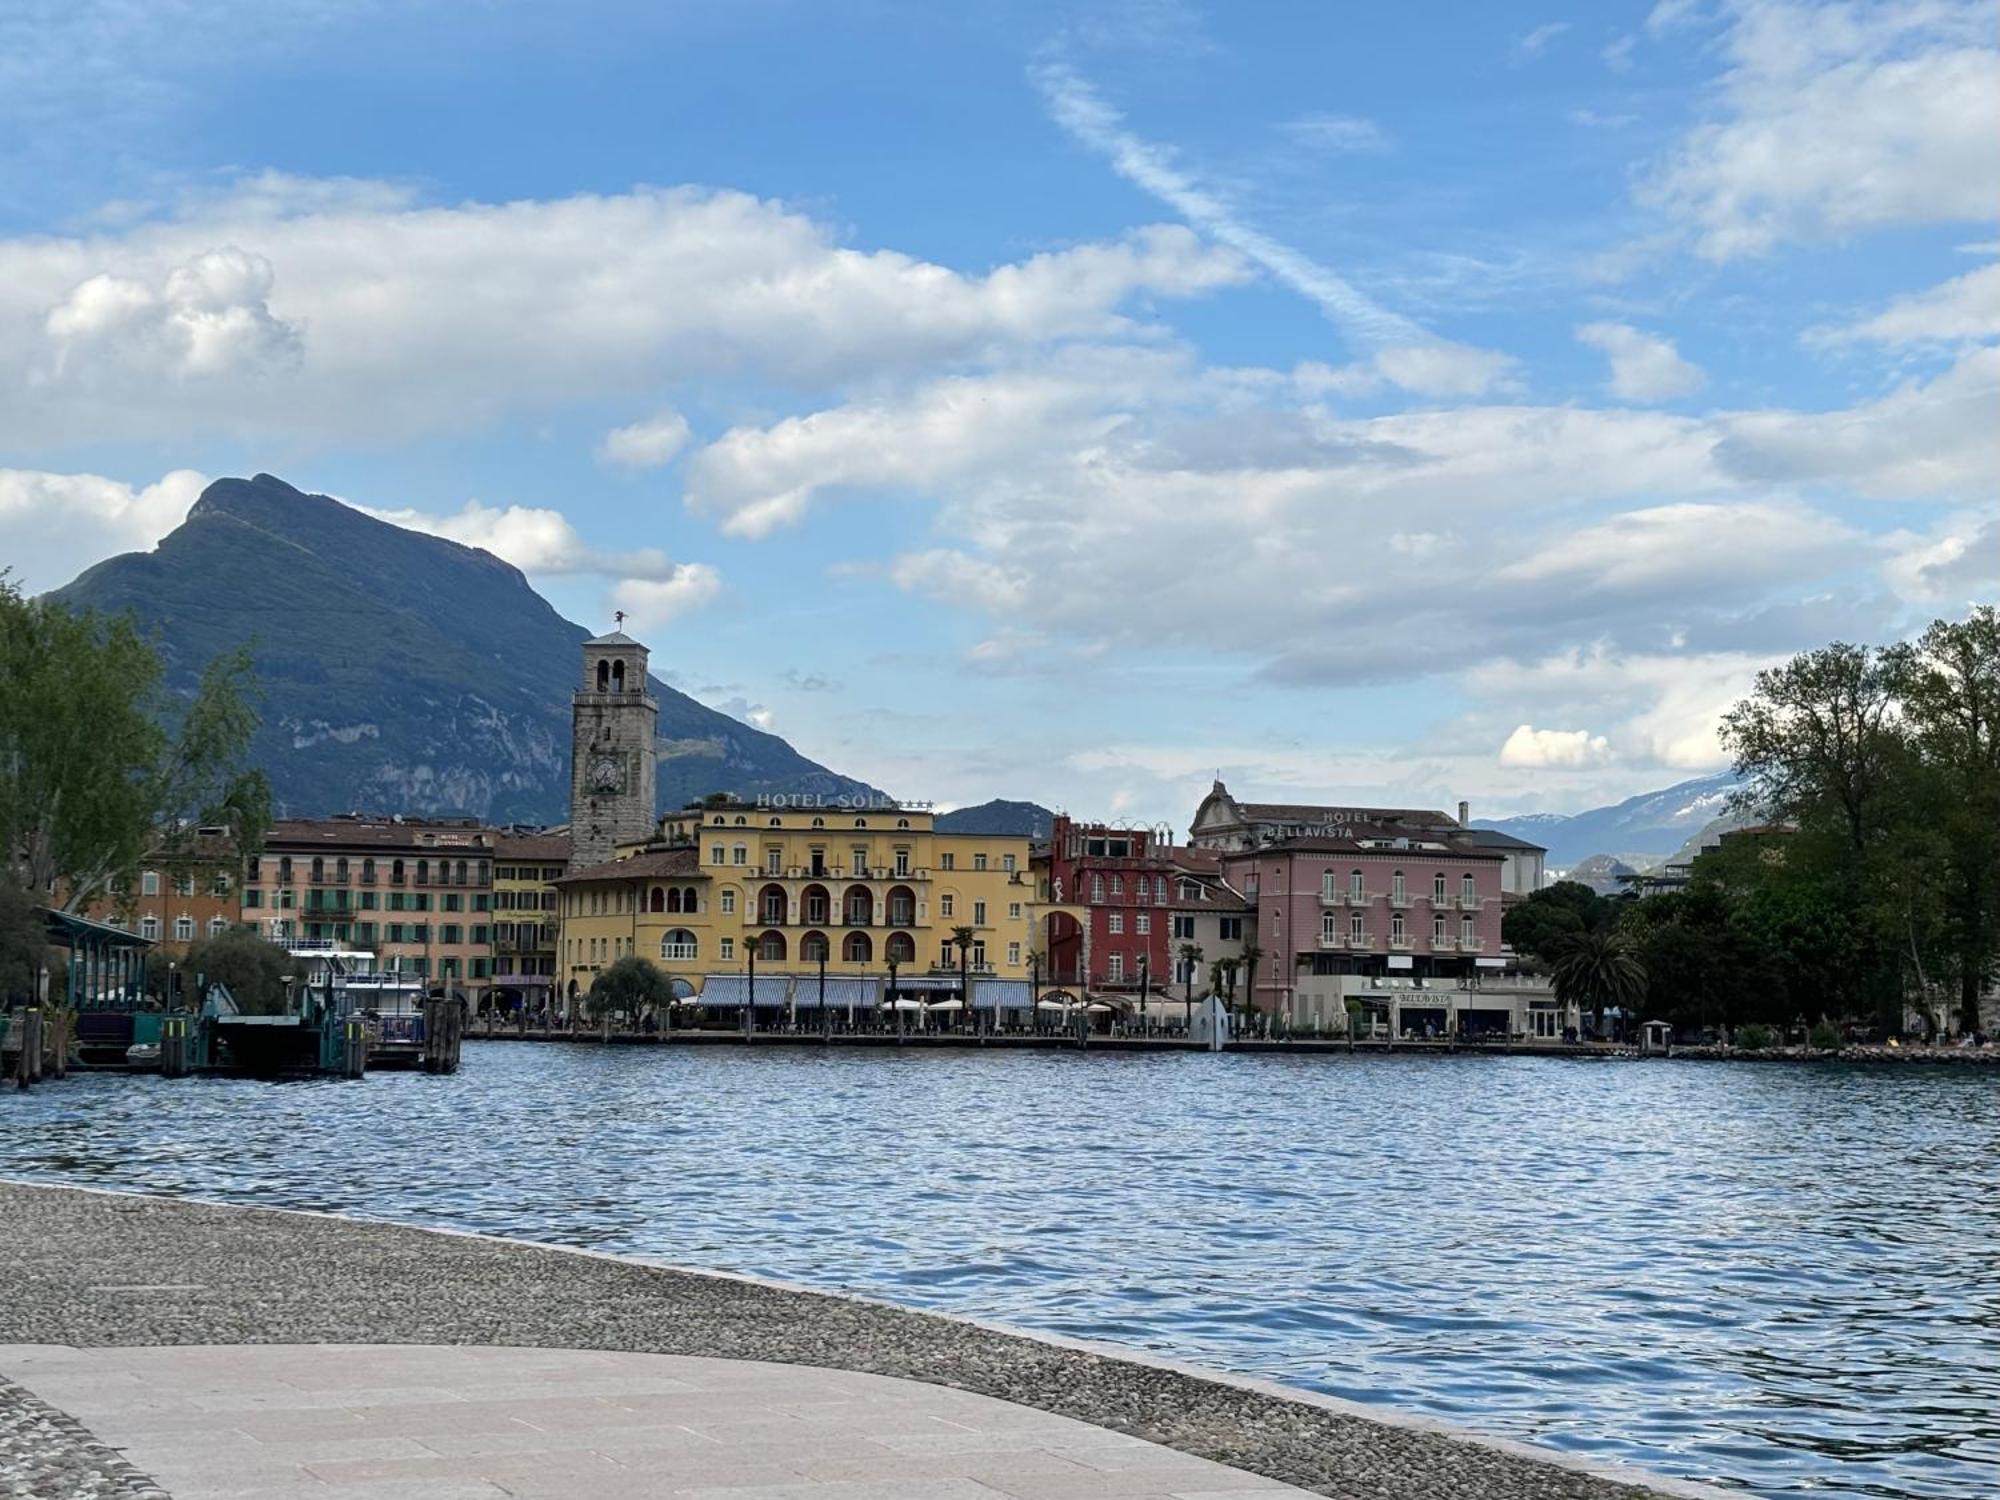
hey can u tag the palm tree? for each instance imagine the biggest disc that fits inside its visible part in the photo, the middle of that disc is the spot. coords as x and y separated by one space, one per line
1597 969
1190 955
1251 953
962 938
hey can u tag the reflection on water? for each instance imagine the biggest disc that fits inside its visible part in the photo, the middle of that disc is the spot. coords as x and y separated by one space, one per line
1782 1278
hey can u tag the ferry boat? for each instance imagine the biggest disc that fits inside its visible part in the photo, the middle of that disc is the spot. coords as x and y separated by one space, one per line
348 982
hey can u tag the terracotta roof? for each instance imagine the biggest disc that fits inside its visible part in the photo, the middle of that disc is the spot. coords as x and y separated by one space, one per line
448 835
680 860
546 847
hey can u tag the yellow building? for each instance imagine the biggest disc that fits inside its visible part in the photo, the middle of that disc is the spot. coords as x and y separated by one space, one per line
866 889
526 866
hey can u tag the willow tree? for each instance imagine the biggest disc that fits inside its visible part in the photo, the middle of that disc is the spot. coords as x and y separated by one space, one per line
101 767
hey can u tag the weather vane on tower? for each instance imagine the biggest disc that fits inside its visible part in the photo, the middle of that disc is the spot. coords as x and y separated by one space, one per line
618 615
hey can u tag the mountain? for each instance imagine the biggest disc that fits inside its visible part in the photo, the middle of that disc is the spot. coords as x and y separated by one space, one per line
998 817
1640 831
1600 872
402 672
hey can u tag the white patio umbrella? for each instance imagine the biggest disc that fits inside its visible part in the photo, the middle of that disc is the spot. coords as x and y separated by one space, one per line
946 1005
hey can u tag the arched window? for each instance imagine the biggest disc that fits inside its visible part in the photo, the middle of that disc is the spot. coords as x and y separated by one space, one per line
1468 891
618 675
1396 886
819 822
1117 885
1329 885
815 904
340 870
775 822
902 822
1398 931
720 820
1355 889
679 946
813 947
284 869
423 872
318 869
741 821
1329 928
656 899
1355 933
688 902
1438 896
771 948
902 906
855 948
603 676
901 948
461 872
860 822
771 905
396 871
860 906
368 872
1096 888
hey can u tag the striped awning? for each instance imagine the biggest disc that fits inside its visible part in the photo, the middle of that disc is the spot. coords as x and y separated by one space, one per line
910 984
732 991
1002 994
860 993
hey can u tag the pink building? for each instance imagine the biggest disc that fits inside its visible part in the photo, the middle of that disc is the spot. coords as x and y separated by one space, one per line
1357 891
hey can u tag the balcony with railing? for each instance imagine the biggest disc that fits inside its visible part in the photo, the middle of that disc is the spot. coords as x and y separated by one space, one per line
1401 900
1336 896
1472 944
682 952
1401 944
1442 901
1444 944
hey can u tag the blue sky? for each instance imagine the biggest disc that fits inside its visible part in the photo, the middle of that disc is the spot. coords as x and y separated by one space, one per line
1057 401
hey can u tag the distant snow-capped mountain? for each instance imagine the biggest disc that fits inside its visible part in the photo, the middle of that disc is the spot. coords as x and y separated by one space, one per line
1640 831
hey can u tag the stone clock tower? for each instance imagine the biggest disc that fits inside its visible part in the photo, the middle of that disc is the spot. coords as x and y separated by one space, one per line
611 775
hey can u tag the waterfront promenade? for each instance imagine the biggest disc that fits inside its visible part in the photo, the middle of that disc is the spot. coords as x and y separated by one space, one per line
446 1365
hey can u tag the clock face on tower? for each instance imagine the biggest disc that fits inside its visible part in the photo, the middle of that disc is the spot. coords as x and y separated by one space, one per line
606 774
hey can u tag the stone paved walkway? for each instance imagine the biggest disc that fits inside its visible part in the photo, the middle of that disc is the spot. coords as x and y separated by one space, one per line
382 1422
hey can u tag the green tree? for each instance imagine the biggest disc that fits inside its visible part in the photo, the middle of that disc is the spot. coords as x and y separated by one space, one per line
256 972
1248 959
1948 685
1552 918
627 988
1190 956
1598 970
92 779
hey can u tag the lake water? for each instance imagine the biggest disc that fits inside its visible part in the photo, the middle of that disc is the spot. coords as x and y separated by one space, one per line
1783 1278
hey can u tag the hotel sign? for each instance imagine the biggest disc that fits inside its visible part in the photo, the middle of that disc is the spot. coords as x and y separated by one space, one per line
838 801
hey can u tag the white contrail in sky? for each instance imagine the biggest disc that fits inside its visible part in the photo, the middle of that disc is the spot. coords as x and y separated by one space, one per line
1075 106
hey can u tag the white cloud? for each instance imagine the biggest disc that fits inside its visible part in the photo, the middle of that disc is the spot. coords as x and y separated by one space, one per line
1644 366
647 444
1534 43
535 539
1954 564
1834 120
1075 106
757 715
1688 546
1347 134
1529 746
653 602
1441 369
1964 309
288 312
52 526
206 318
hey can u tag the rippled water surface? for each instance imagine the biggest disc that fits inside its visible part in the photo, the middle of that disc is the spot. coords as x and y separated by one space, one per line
1782 1278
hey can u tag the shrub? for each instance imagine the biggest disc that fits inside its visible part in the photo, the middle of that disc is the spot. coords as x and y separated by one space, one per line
1826 1037
1753 1038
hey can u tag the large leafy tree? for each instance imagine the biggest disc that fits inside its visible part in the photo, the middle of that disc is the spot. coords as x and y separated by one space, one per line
628 987
1948 685
255 972
1554 917
99 767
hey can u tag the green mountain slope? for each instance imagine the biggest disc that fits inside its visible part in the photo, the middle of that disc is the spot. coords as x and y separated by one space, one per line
401 672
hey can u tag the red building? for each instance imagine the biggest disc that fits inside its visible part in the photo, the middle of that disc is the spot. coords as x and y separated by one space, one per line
1134 882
